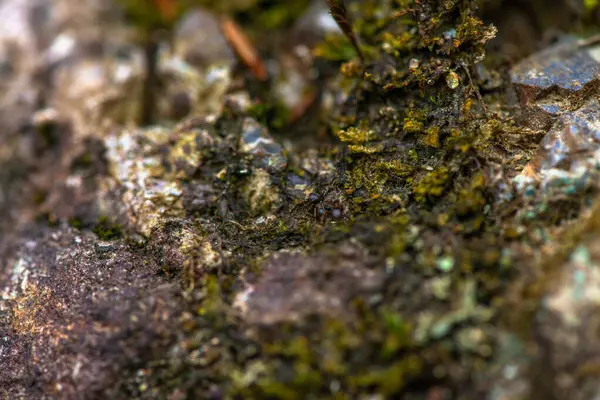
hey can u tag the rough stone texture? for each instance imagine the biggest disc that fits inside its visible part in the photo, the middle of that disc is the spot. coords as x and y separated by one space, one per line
556 80
557 89
77 312
293 286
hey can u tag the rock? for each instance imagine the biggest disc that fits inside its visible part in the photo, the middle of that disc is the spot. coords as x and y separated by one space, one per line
257 141
79 317
557 88
293 285
556 80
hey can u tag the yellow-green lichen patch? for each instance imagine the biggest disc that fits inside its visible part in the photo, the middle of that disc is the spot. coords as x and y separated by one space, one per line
201 257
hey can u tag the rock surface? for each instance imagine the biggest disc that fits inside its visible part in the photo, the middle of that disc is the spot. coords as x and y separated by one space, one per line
370 229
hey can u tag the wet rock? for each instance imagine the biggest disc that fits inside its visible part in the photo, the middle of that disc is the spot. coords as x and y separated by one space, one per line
570 145
300 187
567 65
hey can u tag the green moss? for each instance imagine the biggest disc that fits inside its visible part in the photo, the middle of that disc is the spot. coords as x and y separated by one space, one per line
591 5
107 230
75 222
275 16
373 175
274 115
335 48
323 357
432 185
360 135
275 390
396 45
433 137
398 335
390 380
471 199
415 120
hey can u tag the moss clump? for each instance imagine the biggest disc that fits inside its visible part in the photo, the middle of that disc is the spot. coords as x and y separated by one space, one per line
359 135
335 48
76 223
321 360
373 175
415 120
273 114
433 137
108 230
471 199
432 185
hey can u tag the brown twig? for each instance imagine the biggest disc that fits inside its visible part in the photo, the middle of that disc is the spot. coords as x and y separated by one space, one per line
243 48
166 8
475 89
339 12
149 91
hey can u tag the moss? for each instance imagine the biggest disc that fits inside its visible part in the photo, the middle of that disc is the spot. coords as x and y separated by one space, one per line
359 135
471 199
76 223
107 230
335 48
274 115
391 380
373 175
433 137
260 193
319 359
276 16
398 335
353 69
212 302
415 120
396 45
432 185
